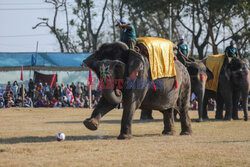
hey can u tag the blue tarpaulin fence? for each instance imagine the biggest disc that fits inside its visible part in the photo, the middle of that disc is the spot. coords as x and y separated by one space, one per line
42 59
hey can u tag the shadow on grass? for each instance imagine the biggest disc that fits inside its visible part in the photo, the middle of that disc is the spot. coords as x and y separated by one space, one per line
215 120
105 121
230 141
36 139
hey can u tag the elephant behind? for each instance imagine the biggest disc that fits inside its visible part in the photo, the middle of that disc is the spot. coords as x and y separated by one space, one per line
234 81
128 73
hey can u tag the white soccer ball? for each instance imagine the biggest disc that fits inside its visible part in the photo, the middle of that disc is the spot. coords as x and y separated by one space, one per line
60 136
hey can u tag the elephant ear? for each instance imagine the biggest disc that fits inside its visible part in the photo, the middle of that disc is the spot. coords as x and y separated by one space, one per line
135 64
192 69
209 73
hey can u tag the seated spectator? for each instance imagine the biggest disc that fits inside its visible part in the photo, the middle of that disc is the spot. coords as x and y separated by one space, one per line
57 92
65 101
95 103
8 97
18 102
73 89
77 102
38 103
93 98
195 104
78 89
1 100
47 91
27 102
86 102
53 102
45 101
82 101
8 86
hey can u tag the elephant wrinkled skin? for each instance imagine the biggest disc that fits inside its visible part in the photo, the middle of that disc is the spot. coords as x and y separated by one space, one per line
128 73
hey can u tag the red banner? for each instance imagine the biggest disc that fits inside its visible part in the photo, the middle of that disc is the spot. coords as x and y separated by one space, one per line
51 79
21 78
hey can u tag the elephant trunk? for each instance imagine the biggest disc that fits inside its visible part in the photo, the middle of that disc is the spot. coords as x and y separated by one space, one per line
112 96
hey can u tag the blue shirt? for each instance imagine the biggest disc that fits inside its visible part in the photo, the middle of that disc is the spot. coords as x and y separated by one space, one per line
128 34
231 51
183 48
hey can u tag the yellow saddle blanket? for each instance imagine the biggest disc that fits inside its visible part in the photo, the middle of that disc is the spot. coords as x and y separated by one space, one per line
214 64
161 56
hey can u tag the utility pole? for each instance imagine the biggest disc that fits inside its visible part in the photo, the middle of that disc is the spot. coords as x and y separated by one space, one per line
170 22
90 97
36 52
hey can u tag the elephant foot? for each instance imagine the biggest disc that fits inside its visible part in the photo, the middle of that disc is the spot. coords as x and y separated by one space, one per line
169 133
205 118
235 118
245 118
227 119
91 123
200 120
186 133
124 137
219 117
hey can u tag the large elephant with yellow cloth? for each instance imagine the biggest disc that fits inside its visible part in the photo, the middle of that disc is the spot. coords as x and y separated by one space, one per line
125 75
233 81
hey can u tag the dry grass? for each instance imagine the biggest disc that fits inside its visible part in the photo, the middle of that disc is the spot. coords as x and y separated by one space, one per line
27 138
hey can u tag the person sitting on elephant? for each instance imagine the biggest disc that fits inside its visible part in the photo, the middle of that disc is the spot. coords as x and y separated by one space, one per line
231 51
182 50
128 34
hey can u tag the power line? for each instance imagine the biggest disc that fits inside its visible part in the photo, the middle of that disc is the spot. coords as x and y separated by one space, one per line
25 8
20 3
28 35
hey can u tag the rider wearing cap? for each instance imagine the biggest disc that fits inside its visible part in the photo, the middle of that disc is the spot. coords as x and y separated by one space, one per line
128 34
231 51
182 54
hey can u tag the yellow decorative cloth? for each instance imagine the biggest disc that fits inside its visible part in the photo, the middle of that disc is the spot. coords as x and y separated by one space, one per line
161 56
214 64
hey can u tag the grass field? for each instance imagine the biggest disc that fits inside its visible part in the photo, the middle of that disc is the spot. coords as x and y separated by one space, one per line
27 138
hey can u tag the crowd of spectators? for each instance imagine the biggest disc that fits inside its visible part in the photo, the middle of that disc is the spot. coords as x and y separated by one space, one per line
43 95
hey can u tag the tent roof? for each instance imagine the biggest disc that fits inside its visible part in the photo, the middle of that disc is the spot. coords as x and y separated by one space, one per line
45 61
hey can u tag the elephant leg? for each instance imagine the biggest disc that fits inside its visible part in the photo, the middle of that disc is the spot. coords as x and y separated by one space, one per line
245 102
127 117
200 98
236 97
199 91
204 109
150 116
229 106
184 117
146 114
219 107
168 118
101 109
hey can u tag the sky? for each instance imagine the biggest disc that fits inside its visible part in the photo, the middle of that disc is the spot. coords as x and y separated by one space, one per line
19 16
17 19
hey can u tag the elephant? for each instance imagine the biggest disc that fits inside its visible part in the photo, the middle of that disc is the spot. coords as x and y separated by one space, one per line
234 80
199 75
125 76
